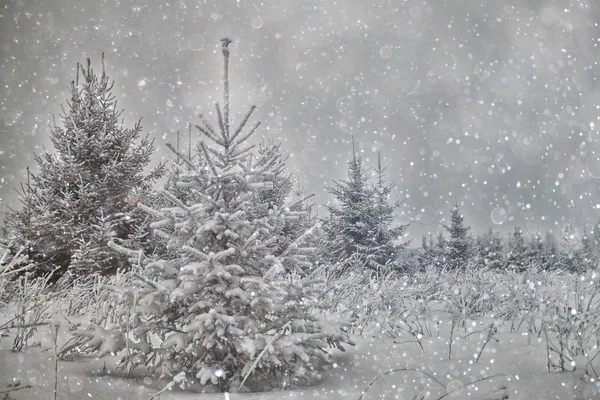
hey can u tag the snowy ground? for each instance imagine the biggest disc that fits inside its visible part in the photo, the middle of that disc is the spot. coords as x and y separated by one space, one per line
523 366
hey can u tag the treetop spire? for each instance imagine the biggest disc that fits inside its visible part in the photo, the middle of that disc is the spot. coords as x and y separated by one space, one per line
225 42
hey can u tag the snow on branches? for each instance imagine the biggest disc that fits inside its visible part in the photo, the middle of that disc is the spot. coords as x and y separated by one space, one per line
220 304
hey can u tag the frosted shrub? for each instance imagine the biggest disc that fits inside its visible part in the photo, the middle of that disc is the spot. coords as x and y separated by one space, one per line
469 293
9 271
571 320
31 304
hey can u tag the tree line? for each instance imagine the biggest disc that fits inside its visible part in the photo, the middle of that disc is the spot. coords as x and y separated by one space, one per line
569 251
85 196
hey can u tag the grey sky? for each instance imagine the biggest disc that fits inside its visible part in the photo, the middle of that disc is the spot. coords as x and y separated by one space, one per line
494 102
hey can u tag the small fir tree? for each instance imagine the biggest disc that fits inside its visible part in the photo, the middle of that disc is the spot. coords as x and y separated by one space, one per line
551 251
439 251
570 254
490 250
521 254
458 249
539 256
425 254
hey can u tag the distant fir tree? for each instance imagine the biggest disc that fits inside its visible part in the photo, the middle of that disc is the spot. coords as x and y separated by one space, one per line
478 243
520 253
539 256
360 226
386 250
490 249
570 255
223 308
299 226
459 248
551 251
79 197
587 252
349 228
425 256
300 203
439 251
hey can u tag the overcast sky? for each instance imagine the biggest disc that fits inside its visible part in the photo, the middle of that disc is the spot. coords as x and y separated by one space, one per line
494 103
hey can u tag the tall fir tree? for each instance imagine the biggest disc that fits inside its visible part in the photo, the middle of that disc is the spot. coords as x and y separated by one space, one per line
459 247
223 304
80 193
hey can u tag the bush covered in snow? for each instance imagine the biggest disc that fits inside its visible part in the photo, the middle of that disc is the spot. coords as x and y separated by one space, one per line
561 309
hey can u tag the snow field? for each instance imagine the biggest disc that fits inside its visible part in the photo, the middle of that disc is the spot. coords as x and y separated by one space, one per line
501 325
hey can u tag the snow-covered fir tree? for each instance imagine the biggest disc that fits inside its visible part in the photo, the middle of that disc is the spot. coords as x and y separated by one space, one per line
538 252
349 226
490 250
388 244
550 251
458 246
181 181
588 257
519 255
425 255
180 176
359 228
439 250
92 251
282 181
570 252
4 237
78 198
301 224
224 307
